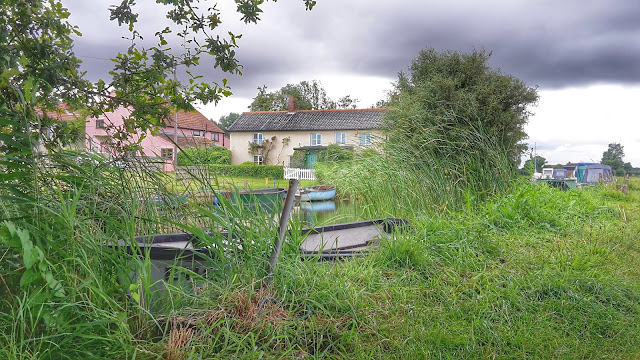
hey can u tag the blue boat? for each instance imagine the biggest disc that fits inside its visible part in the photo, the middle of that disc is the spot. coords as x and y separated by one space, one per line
318 206
318 193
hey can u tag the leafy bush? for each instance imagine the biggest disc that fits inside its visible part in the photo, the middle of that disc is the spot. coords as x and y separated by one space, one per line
204 156
248 169
336 153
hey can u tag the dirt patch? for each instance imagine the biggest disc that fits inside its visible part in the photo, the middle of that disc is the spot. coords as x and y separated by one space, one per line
243 311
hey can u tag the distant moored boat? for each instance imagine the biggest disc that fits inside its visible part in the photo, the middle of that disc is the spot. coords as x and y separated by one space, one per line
318 193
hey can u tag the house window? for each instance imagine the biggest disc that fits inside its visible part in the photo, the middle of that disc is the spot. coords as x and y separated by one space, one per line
316 139
257 159
196 132
166 154
365 139
257 139
341 138
215 136
99 124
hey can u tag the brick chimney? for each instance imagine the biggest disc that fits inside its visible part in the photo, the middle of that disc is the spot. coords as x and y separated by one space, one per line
292 104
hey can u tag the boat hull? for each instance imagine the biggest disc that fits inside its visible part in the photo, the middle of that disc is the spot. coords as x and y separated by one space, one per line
318 195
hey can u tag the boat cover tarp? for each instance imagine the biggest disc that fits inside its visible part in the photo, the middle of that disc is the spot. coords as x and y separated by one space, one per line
591 173
560 174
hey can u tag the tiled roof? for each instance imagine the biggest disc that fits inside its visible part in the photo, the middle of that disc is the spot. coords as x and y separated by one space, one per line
61 113
186 142
349 119
193 120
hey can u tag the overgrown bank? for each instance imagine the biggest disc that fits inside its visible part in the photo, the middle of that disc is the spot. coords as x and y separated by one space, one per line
533 273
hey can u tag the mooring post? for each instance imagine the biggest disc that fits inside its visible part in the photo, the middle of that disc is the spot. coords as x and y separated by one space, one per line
282 227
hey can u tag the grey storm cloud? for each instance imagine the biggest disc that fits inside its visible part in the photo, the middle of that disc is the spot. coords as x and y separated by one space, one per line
546 43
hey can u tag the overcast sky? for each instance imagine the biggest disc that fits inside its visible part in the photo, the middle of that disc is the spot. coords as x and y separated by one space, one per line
584 56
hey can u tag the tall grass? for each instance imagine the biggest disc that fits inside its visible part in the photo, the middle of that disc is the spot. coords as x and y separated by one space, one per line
489 269
70 289
435 177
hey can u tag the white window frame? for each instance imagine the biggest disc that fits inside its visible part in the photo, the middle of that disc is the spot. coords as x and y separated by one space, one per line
166 153
196 132
341 138
258 138
258 159
316 139
365 139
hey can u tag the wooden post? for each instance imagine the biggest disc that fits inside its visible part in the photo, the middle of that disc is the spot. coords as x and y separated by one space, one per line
282 227
246 186
266 182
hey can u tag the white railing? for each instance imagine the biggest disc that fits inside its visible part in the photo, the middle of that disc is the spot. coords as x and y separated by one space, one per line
301 174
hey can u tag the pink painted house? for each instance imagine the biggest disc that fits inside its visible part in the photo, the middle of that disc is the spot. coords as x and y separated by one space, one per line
194 129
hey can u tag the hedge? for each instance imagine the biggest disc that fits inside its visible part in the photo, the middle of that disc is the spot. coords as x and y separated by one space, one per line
249 170
204 156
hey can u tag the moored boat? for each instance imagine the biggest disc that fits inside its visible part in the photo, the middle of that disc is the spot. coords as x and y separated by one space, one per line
323 243
318 193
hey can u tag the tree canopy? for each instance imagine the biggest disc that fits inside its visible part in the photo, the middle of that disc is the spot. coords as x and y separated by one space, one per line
226 120
444 94
534 163
38 68
613 157
310 95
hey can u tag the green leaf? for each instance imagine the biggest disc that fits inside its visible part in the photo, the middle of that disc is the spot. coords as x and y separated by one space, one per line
8 235
9 73
54 285
29 277
134 294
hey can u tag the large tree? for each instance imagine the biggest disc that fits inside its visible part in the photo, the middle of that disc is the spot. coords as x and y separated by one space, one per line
310 95
534 164
38 67
613 157
451 101
226 120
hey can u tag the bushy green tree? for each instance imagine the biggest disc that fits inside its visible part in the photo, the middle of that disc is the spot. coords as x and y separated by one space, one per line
226 120
458 124
310 95
539 163
446 97
613 157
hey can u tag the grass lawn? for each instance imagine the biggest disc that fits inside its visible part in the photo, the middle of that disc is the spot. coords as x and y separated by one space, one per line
228 183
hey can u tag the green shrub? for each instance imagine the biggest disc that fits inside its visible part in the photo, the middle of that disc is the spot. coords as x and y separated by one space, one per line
204 156
248 169
336 153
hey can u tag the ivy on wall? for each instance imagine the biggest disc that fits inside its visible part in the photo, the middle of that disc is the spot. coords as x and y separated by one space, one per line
266 148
